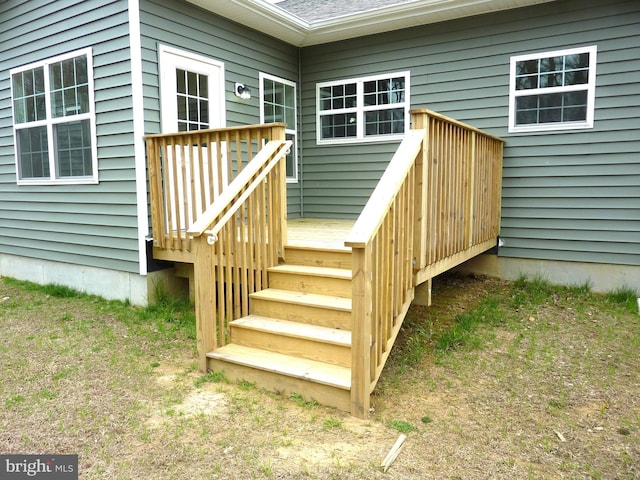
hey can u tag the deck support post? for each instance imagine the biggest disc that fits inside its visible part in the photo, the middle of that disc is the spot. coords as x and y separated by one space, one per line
361 333
203 273
422 295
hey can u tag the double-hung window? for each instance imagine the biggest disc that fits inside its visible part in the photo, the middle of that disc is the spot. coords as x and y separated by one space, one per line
363 109
278 104
552 90
54 120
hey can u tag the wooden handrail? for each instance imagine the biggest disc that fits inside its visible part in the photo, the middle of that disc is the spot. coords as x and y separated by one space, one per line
436 205
420 112
385 192
236 241
382 244
243 195
222 131
272 150
189 170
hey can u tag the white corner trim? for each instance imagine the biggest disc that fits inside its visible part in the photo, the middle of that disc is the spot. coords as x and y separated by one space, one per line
135 45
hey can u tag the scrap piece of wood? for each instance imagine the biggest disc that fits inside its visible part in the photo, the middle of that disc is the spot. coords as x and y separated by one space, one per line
560 436
393 453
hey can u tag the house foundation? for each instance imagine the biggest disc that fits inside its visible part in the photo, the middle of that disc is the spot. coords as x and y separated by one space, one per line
109 284
601 277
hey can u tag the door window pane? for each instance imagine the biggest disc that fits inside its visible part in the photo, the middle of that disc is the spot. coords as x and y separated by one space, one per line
192 100
278 104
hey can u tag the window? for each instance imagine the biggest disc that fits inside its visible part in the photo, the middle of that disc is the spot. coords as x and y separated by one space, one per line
54 120
192 96
363 109
552 90
278 104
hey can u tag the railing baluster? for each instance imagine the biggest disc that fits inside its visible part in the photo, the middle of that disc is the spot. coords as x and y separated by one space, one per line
430 188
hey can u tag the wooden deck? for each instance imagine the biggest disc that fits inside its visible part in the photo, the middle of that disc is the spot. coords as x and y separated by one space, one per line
311 305
318 232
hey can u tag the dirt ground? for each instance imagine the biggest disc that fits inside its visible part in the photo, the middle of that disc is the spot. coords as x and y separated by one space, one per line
550 390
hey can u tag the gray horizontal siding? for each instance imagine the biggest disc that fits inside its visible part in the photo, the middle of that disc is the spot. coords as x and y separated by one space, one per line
94 225
244 52
572 195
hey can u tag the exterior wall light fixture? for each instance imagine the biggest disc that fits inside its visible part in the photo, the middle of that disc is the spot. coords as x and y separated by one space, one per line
242 91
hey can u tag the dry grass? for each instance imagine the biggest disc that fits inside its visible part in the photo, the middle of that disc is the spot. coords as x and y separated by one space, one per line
544 383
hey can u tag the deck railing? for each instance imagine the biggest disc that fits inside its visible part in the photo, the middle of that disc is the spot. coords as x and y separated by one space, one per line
382 243
436 205
462 192
236 240
189 170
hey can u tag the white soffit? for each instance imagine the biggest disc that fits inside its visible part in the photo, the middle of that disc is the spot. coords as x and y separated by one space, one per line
268 18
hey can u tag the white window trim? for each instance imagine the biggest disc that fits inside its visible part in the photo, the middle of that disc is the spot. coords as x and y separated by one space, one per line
360 109
50 121
291 131
546 127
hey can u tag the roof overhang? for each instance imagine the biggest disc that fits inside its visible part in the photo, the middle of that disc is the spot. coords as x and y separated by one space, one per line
272 20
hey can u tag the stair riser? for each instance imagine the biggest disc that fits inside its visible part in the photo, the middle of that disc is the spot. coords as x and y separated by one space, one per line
301 313
298 347
318 258
284 385
337 287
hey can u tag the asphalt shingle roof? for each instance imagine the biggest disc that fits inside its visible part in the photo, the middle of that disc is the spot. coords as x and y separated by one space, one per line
315 10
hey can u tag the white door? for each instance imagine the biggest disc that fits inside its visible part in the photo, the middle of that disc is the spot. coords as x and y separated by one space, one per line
191 98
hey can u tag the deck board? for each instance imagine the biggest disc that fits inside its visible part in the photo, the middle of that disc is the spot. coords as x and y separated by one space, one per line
318 232
301 232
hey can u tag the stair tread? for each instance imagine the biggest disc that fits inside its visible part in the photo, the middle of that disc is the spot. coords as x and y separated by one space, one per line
319 372
340 248
295 329
312 299
313 270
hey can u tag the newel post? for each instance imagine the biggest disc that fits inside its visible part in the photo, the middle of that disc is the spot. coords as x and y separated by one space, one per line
361 332
420 121
278 132
203 273
155 192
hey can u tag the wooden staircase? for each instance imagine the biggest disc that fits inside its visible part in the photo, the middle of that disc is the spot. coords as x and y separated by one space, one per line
297 337
322 322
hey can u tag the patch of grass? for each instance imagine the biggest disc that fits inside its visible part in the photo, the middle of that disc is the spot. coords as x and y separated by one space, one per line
170 313
402 426
51 289
417 344
330 423
13 400
215 376
461 332
565 362
299 400
625 297
246 385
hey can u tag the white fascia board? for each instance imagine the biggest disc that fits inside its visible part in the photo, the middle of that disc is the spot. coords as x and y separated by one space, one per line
272 20
260 15
405 15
